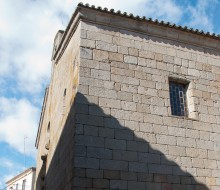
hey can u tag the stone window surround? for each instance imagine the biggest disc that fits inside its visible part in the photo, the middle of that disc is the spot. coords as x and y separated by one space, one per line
192 110
178 98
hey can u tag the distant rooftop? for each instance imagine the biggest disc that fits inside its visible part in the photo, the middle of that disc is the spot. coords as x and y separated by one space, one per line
21 174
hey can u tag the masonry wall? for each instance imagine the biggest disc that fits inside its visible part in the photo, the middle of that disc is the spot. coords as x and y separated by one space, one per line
108 107
57 170
126 137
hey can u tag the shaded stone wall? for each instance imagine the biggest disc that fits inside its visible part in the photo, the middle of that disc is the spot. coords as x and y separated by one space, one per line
126 136
55 155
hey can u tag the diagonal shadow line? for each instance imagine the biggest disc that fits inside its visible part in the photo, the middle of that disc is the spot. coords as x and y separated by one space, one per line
96 151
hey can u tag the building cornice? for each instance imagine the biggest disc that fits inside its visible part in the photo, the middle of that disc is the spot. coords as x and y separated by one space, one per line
117 19
150 20
41 118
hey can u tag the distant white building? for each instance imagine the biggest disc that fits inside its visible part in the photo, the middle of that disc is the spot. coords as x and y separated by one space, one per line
23 181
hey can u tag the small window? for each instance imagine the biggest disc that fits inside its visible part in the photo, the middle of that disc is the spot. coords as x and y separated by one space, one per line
23 184
64 102
48 128
47 146
178 98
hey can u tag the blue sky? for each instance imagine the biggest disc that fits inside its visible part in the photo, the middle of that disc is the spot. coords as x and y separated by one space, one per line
27 29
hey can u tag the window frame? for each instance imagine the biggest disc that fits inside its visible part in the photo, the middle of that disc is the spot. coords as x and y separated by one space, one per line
24 184
185 84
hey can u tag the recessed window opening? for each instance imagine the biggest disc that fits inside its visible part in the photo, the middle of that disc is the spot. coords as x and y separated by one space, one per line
64 102
48 128
47 146
23 184
178 101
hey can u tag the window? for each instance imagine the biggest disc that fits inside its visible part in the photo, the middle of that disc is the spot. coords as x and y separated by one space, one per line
23 184
64 93
17 186
47 146
64 101
178 98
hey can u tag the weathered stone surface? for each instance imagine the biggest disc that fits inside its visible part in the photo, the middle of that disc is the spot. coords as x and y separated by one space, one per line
109 111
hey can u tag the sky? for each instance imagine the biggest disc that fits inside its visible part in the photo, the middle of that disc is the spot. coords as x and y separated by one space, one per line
27 30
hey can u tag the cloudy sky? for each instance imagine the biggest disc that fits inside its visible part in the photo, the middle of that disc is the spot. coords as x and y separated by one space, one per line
27 29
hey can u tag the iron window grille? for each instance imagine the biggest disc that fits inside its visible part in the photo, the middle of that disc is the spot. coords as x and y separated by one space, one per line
178 98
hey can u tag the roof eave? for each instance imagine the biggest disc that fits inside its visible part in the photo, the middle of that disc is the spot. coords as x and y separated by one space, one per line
41 117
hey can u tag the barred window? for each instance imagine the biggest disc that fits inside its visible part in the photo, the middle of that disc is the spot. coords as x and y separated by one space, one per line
178 98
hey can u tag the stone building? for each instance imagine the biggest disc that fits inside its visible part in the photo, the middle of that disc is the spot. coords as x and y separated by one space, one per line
23 181
132 104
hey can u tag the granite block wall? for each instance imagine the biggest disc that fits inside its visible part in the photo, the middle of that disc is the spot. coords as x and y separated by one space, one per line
109 109
126 137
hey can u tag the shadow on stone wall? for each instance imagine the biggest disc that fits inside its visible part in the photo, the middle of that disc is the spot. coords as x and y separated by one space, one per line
108 155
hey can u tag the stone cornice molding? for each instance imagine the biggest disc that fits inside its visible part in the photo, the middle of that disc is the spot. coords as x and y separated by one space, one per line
137 24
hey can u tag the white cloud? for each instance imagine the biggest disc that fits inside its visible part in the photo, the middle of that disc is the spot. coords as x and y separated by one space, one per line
6 163
9 176
161 9
27 32
13 168
28 29
26 40
200 15
18 118
166 10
